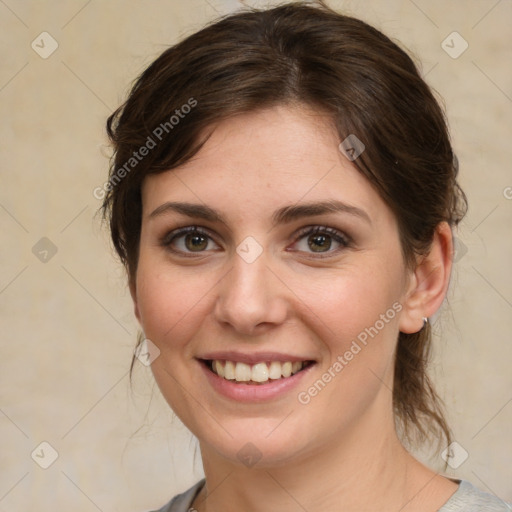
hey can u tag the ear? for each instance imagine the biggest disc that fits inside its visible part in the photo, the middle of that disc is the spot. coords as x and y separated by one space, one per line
133 292
429 281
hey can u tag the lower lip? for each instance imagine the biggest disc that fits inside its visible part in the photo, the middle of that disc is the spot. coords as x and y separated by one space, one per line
253 392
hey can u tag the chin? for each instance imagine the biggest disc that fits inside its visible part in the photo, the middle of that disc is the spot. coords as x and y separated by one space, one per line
261 444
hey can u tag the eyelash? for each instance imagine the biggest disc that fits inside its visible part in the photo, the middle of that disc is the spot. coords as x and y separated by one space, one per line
339 237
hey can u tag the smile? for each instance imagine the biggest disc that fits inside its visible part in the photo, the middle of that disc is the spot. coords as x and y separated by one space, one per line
258 373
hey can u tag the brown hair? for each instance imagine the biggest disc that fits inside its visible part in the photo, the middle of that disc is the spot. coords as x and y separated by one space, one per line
306 55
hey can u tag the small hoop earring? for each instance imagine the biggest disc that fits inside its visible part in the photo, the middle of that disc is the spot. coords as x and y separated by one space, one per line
425 322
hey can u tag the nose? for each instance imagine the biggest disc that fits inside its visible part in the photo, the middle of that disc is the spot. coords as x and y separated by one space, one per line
251 298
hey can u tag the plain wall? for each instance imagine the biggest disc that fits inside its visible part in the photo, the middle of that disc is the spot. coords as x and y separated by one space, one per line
68 329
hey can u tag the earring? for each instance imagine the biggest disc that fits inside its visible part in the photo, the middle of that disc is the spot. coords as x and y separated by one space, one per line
425 322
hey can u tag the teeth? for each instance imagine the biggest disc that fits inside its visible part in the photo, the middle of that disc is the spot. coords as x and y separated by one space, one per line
242 372
259 372
296 366
286 369
274 372
219 369
229 370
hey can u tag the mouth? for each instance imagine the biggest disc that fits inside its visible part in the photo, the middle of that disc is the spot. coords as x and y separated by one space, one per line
255 374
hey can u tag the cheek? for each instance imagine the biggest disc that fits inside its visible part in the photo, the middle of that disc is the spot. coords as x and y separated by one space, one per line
353 303
357 320
172 307
170 304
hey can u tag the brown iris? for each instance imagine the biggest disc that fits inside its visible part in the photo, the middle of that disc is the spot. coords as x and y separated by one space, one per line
196 242
319 243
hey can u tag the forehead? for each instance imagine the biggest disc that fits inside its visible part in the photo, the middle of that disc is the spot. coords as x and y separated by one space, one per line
266 159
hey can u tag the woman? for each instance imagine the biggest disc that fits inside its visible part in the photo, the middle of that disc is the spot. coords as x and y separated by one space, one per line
282 195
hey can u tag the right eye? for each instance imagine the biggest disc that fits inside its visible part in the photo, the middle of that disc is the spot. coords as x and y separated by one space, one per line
189 240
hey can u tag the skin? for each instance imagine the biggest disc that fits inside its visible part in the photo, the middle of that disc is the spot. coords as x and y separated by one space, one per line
341 447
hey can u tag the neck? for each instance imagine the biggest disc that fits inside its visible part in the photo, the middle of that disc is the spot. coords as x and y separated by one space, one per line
352 474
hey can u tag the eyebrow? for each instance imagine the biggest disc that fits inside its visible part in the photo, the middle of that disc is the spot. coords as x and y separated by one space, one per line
284 215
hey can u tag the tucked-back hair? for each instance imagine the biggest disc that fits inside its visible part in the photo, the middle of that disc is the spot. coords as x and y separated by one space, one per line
299 54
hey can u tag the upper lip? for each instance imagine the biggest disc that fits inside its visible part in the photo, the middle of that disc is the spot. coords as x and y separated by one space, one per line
252 358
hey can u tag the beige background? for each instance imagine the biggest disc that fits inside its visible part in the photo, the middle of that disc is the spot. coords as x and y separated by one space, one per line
67 324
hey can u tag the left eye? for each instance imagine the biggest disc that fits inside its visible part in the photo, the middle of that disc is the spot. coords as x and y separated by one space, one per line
320 240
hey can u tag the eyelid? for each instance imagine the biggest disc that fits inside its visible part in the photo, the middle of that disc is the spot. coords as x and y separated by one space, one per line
167 239
316 228
339 236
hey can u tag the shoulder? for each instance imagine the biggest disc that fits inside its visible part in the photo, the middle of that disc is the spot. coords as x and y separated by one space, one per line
469 498
182 502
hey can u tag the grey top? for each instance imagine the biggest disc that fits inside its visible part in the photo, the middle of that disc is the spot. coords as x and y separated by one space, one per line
467 498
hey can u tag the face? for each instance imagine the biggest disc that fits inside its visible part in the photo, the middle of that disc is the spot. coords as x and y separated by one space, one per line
269 254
